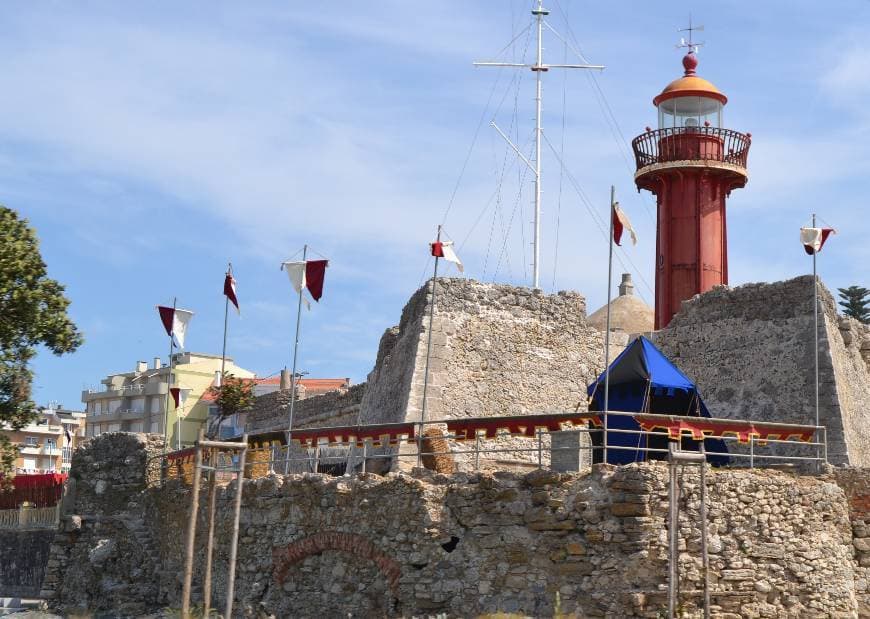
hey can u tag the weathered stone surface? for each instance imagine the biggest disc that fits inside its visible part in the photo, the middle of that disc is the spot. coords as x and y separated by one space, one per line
469 545
750 349
496 350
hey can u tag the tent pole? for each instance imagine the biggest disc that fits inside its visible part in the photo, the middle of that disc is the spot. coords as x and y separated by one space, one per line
607 331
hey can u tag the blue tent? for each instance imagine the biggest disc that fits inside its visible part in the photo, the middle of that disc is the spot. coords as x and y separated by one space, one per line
643 380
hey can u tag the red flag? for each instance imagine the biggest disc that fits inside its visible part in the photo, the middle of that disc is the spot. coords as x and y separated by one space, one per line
175 392
315 271
444 250
620 222
175 321
166 316
813 239
230 291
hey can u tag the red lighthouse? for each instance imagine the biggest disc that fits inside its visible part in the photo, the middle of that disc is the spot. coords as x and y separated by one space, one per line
691 163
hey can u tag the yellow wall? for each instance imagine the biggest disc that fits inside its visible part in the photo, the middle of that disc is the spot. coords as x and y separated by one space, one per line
197 377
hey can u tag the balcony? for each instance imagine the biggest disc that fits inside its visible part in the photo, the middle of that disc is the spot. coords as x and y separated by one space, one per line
710 147
117 415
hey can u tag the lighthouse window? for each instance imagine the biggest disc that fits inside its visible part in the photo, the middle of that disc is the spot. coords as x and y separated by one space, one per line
689 113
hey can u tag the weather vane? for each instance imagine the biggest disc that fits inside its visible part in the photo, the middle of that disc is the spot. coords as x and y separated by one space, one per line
693 47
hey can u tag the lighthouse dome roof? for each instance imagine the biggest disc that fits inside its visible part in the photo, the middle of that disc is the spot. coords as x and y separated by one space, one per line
627 312
690 85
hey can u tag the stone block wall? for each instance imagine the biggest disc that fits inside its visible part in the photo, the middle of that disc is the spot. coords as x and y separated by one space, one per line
105 549
335 408
750 349
496 350
472 544
23 557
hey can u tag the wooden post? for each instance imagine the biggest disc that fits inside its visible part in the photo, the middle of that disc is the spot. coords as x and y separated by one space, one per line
191 530
234 539
209 548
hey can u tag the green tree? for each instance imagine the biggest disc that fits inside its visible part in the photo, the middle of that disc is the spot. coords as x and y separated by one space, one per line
33 312
855 302
235 395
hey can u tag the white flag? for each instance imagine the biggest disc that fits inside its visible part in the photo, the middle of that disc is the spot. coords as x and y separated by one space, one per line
444 249
180 320
296 273
814 238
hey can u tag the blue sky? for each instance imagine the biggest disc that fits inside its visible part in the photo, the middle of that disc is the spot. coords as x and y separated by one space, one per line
150 143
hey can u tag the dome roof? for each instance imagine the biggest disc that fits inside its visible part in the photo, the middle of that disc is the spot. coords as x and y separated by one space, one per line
690 85
627 312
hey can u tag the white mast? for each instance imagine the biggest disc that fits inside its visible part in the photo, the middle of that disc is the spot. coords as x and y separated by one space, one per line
539 67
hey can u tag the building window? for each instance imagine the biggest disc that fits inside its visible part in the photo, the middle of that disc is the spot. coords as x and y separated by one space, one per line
31 441
51 443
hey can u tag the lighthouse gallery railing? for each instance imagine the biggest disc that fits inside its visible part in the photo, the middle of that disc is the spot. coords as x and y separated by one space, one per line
691 143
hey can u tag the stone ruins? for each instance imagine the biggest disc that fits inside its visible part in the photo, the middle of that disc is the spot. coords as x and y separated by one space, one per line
512 537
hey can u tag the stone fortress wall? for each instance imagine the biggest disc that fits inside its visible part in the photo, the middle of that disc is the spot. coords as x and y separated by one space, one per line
751 349
335 408
468 544
496 350
504 350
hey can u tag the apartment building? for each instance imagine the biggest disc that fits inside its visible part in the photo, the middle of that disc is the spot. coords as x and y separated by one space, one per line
137 401
47 443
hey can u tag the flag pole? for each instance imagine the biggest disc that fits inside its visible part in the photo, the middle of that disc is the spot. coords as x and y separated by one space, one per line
169 381
293 375
224 350
212 479
816 326
607 332
428 355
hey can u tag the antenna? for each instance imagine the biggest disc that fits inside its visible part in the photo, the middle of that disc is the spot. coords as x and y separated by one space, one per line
538 68
690 44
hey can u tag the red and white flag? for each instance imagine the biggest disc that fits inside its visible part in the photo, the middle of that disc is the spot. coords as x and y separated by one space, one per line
444 250
175 322
620 222
814 238
308 274
179 395
230 291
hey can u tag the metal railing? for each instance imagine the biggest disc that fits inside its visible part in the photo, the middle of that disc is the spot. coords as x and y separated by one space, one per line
691 143
470 444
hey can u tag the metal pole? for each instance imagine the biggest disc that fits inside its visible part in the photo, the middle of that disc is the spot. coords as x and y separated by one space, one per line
234 539
751 450
168 385
191 530
607 331
365 445
539 14
293 375
476 451
705 559
428 356
673 517
816 331
224 350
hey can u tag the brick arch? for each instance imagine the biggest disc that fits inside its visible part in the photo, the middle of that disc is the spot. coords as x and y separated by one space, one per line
356 545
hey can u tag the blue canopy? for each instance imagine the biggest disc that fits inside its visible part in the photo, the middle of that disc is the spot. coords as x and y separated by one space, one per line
643 380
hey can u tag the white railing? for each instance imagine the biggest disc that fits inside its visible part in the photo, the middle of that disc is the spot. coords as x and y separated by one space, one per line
30 517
